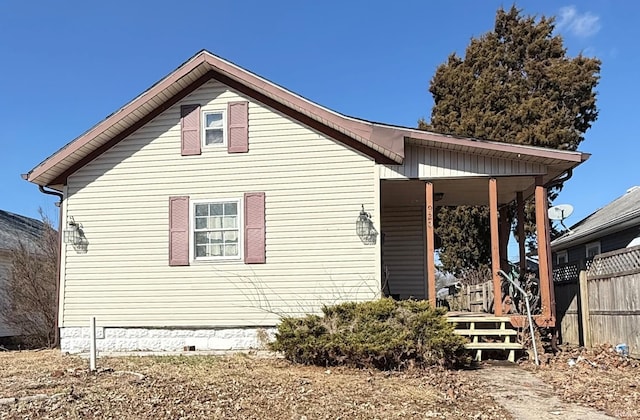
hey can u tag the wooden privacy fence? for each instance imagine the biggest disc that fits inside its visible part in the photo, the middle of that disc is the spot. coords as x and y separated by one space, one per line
603 306
472 298
568 310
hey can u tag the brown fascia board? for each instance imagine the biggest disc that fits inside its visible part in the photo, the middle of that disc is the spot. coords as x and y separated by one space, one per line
351 132
307 120
112 119
360 130
62 178
335 134
516 149
384 143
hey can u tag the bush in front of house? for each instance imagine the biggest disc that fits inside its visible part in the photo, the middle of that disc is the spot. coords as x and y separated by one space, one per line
385 334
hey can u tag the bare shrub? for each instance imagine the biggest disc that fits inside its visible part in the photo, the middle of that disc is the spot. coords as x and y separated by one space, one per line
30 292
475 276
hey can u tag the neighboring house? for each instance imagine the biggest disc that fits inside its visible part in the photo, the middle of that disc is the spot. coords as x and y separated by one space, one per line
216 202
14 229
614 226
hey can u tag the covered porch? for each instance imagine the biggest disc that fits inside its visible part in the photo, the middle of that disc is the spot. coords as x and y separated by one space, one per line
493 175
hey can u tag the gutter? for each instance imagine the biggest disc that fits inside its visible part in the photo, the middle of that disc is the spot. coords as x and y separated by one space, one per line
622 222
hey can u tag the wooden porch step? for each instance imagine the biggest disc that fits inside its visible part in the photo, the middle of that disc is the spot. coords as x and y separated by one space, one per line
477 319
506 346
495 331
482 326
493 346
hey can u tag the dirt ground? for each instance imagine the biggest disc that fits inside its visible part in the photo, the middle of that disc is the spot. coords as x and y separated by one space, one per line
527 396
598 378
46 384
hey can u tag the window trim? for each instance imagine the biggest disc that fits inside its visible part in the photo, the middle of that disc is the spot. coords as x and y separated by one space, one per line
592 245
560 254
192 226
225 129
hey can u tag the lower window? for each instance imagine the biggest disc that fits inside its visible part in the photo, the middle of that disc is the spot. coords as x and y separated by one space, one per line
216 229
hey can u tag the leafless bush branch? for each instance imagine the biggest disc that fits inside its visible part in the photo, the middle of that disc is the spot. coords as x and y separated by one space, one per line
30 305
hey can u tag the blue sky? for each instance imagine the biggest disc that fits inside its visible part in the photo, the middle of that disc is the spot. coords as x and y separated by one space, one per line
66 65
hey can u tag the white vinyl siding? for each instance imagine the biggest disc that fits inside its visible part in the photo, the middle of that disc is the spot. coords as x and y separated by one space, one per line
426 162
314 190
404 251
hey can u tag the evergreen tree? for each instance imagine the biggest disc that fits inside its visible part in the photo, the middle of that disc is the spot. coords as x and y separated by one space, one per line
515 84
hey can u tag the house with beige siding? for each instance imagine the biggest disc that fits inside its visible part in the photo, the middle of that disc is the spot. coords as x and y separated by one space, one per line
217 202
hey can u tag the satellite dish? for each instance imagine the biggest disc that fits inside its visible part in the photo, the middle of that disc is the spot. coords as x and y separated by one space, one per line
561 212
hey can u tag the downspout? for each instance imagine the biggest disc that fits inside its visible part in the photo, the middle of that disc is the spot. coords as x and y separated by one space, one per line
56 193
559 181
56 339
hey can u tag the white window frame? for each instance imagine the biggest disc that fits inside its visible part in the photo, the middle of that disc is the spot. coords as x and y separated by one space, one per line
562 255
192 230
591 245
203 140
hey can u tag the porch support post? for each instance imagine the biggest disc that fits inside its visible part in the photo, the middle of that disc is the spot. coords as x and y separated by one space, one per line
544 254
431 264
520 230
495 246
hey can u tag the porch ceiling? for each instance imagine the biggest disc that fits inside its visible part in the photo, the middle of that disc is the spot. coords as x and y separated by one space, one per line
461 191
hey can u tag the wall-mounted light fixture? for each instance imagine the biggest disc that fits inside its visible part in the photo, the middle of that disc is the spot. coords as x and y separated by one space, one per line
438 196
365 229
73 233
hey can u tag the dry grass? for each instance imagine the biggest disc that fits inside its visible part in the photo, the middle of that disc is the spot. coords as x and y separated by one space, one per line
230 387
598 378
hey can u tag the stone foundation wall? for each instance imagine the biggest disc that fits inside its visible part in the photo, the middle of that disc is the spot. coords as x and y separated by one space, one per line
76 339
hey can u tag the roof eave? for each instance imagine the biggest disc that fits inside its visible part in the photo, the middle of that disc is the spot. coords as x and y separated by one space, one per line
568 239
384 143
390 149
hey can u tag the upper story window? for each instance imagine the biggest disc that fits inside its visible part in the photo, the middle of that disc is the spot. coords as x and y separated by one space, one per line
592 249
562 257
216 229
214 131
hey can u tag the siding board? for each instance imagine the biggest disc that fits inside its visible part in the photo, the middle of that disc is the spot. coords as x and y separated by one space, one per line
314 188
427 162
404 251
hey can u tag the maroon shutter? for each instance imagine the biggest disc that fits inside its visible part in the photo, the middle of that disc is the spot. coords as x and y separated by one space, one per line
178 230
238 126
254 228
190 129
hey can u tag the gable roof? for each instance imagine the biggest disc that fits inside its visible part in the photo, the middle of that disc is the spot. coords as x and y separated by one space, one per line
15 228
382 142
618 215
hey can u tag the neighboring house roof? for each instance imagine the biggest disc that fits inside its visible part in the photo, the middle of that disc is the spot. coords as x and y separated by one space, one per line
620 214
382 142
15 228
